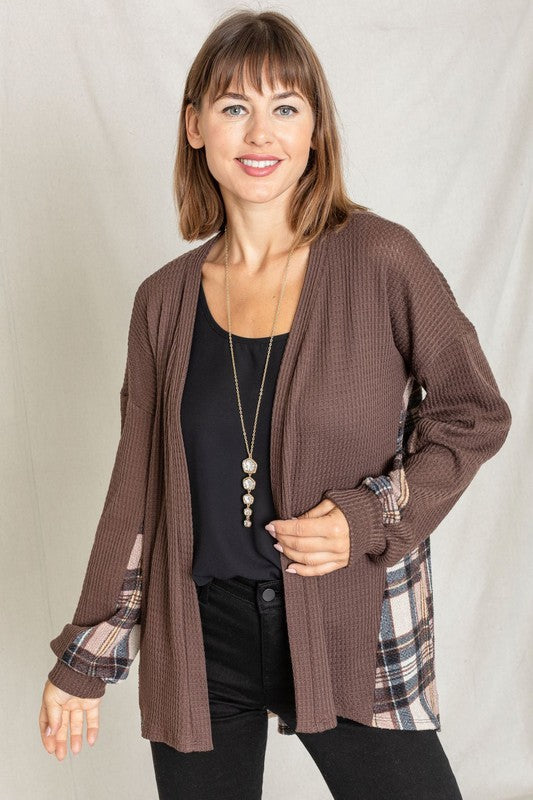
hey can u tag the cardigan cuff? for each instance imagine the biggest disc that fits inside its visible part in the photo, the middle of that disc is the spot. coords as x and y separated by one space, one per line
364 513
75 683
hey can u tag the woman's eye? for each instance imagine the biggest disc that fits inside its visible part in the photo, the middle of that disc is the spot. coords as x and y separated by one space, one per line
230 108
291 108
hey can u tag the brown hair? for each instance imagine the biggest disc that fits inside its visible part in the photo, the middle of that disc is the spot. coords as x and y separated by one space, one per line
248 40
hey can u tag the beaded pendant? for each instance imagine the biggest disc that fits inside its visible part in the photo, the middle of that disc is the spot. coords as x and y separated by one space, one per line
249 466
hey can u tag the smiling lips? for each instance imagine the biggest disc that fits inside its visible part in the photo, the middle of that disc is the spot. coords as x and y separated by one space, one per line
258 167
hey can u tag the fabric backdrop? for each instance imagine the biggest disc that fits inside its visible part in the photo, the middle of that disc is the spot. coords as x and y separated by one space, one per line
434 103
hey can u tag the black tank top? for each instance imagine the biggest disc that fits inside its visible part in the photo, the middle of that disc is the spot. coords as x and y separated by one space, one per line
214 447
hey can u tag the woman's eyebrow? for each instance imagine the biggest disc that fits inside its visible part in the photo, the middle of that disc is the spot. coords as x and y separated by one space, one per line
279 96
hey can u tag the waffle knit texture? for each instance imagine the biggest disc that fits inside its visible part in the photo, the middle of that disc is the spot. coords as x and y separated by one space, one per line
384 403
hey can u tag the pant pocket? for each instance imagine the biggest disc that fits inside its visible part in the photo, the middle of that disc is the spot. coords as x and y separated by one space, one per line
202 593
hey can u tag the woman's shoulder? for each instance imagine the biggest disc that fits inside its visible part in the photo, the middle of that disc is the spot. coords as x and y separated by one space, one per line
167 280
172 271
377 233
391 246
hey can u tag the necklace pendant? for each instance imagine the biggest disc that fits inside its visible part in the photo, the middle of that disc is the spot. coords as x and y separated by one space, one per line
249 466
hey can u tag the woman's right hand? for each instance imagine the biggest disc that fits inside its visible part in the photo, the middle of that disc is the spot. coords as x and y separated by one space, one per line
58 708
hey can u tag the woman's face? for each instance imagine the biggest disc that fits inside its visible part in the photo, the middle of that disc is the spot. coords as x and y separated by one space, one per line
259 125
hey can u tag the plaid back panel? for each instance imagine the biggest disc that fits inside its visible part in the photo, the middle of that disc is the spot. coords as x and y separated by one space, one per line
405 696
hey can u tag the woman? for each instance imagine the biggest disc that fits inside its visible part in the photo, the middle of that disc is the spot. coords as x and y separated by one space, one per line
303 403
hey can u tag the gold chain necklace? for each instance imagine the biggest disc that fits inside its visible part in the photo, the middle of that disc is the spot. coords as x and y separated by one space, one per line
249 466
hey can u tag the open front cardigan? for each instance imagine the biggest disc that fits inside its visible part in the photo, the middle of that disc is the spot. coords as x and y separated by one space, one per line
384 402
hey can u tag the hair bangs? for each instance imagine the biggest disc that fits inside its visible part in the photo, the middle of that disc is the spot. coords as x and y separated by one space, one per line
253 58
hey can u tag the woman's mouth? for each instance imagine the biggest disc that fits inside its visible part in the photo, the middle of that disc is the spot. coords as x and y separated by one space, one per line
258 168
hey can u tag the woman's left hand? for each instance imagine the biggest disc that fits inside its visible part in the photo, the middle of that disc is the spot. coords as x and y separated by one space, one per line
317 541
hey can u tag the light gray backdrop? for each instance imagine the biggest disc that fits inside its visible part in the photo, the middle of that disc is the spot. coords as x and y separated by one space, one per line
435 107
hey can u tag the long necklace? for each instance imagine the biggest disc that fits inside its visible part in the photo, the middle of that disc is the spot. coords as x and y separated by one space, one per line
249 465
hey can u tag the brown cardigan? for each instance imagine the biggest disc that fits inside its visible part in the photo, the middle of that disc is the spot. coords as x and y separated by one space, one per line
376 321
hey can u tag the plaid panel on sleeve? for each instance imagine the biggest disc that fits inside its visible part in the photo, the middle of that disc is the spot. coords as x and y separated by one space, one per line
107 650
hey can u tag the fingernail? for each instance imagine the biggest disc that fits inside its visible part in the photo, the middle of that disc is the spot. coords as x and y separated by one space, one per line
290 569
278 547
270 528
48 731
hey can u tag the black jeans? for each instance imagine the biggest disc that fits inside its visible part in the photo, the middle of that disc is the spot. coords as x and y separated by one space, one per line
249 671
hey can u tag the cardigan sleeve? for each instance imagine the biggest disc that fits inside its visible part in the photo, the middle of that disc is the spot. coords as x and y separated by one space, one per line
101 642
445 436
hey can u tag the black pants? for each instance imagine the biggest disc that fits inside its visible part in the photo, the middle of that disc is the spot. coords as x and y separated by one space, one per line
249 671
